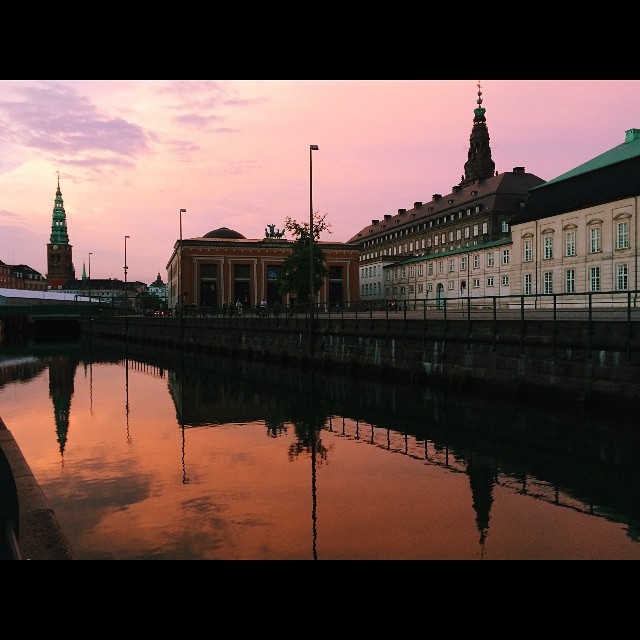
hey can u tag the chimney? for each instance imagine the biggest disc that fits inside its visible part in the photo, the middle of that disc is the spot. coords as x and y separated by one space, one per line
631 135
518 169
402 211
387 216
436 196
375 222
417 205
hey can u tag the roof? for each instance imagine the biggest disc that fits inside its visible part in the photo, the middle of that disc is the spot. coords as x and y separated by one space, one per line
224 232
501 193
611 176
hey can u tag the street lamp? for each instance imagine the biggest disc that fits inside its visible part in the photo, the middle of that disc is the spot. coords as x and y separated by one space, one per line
90 254
180 263
312 148
126 293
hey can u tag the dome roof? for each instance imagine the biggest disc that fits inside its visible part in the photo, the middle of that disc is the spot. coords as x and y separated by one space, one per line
224 232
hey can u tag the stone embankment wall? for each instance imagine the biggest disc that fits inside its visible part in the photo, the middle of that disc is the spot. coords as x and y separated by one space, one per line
567 361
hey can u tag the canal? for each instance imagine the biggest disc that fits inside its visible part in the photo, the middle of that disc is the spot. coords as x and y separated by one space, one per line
156 455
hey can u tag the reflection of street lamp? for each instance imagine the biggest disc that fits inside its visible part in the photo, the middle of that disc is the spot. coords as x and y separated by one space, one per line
312 148
126 293
180 262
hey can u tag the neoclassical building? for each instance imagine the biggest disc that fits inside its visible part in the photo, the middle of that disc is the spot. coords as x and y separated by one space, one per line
579 232
224 266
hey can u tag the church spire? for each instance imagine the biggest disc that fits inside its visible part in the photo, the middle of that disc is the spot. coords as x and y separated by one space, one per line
59 233
479 165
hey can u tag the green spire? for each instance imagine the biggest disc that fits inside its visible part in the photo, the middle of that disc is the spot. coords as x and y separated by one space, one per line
59 233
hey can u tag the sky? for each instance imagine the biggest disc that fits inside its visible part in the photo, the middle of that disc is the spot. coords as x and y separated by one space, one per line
236 153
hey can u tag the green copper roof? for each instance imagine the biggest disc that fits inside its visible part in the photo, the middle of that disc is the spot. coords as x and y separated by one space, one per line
630 148
59 233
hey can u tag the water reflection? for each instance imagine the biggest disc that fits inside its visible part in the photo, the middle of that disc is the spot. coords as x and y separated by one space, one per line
568 461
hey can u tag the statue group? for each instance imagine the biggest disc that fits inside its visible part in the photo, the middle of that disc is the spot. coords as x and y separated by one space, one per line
270 232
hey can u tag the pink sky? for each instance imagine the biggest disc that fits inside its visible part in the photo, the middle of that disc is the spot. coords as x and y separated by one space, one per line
235 153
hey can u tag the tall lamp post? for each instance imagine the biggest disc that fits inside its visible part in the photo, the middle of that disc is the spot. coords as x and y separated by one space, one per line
312 148
90 254
126 291
180 265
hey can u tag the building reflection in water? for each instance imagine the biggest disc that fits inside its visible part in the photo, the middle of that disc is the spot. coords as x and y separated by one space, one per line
587 467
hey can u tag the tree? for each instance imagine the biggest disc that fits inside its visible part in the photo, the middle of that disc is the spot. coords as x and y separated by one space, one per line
294 274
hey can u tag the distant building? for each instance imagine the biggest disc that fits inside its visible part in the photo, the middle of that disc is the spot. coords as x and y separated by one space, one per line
110 291
159 288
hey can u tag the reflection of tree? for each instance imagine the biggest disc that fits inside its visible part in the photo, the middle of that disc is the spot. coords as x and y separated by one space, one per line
308 440
275 428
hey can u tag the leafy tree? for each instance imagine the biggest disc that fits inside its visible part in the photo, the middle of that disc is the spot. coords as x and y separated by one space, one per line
294 274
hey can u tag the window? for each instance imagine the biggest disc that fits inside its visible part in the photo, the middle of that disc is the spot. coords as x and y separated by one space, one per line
489 282
528 284
436 240
505 281
476 283
490 259
485 227
441 266
466 232
443 238
505 256
622 235
420 288
476 261
548 282
429 287
475 230
594 279
595 245
450 236
403 273
412 272
452 265
505 226
430 268
570 243
463 263
622 277
458 234
548 247
528 250
570 281
420 270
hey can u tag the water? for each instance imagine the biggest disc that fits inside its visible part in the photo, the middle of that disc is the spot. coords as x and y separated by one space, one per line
144 456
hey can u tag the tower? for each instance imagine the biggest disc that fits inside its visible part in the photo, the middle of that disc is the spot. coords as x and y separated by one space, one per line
479 165
59 252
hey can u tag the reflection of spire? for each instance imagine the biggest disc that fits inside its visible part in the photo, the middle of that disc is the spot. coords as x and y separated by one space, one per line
481 479
61 374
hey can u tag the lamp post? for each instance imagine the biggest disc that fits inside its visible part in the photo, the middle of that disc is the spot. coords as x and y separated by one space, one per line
312 148
180 265
126 292
90 254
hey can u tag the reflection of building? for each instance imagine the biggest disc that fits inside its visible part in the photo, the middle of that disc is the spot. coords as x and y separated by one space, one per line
224 266
62 370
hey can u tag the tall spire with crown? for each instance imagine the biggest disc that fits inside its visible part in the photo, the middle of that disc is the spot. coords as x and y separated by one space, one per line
479 165
59 252
59 233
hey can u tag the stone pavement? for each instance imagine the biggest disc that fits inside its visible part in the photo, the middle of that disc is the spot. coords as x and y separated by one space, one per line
38 534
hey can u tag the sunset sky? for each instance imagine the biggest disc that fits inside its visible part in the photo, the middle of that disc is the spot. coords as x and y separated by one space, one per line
235 153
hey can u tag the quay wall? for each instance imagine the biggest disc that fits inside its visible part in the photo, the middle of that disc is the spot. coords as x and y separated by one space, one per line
568 361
